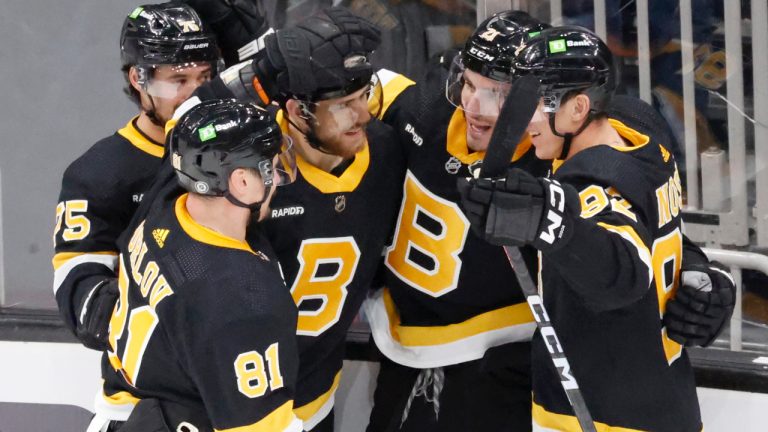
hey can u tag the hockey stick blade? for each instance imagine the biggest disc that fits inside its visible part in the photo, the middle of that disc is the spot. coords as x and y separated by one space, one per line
515 114
513 120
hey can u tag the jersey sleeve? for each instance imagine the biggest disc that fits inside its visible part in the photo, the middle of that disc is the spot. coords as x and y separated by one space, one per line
89 218
240 351
607 261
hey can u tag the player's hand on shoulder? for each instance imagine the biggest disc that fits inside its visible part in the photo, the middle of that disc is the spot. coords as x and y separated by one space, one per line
518 209
702 305
94 313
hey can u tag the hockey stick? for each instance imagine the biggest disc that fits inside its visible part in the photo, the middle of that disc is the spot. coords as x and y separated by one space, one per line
513 119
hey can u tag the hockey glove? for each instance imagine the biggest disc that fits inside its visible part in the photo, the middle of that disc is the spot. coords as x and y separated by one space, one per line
236 23
702 306
94 314
518 209
301 60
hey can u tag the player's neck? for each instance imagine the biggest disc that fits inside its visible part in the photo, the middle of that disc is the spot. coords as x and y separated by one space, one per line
313 156
151 130
599 132
218 214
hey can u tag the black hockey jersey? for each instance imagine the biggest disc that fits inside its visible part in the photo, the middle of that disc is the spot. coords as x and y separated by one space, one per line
203 321
329 233
450 295
99 193
606 289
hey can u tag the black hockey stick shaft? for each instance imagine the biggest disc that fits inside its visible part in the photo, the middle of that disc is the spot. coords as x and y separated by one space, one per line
514 116
567 379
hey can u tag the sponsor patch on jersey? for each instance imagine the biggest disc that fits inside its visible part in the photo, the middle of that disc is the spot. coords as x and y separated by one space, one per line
287 211
160 234
414 136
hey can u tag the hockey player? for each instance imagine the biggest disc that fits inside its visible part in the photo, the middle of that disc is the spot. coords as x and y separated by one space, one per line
451 322
452 319
202 336
166 53
607 224
329 227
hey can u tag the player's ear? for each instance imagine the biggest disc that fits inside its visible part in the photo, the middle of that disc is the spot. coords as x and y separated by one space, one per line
238 183
580 107
296 112
133 78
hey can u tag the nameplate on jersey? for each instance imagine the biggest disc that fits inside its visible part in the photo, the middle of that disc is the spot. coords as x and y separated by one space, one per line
287 211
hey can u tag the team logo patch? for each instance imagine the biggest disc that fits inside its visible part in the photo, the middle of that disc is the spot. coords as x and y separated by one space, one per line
340 203
453 165
160 235
201 187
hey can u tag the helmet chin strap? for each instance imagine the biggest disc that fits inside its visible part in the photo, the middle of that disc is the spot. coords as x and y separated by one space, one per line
253 207
152 113
568 136
310 136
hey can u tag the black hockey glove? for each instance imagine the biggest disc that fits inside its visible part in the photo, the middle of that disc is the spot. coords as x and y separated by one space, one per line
236 24
300 60
519 209
702 306
94 313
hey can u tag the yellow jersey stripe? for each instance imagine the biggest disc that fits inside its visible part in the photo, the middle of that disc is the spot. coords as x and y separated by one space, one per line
280 419
63 257
307 411
424 336
65 262
630 235
568 423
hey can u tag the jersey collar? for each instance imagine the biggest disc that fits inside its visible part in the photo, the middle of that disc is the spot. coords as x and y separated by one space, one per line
633 137
141 141
326 182
204 234
456 141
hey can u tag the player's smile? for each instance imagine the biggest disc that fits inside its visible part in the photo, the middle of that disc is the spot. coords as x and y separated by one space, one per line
477 127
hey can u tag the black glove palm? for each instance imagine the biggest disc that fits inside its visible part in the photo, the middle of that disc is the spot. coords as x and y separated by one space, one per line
702 305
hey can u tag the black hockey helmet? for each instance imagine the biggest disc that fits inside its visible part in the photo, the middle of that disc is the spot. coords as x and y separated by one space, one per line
166 33
491 49
566 59
216 137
